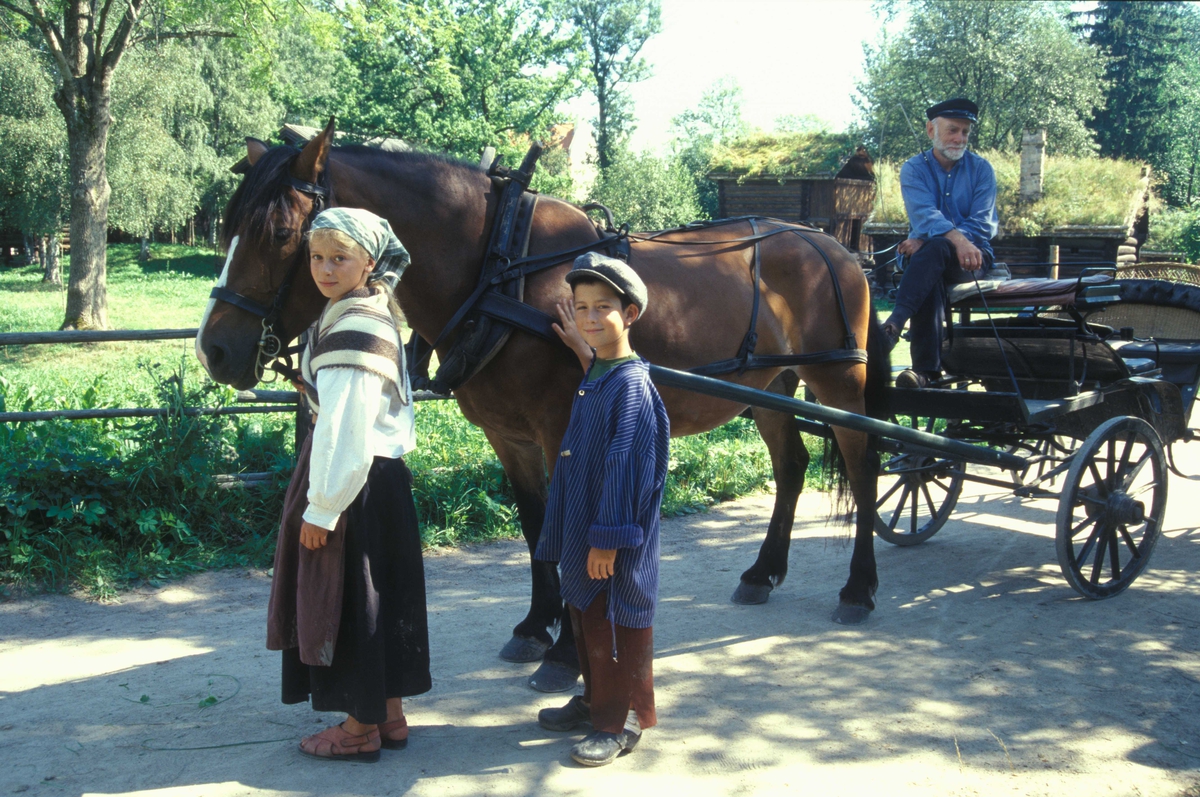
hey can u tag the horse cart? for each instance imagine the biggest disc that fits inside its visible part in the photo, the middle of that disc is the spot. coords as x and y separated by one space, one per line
1073 391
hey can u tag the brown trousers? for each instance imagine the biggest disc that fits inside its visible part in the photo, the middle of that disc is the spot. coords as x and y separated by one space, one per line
610 687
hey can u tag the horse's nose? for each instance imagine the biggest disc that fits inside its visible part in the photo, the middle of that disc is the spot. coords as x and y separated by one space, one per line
217 354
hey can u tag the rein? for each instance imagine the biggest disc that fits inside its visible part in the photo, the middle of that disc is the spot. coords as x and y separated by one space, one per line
271 353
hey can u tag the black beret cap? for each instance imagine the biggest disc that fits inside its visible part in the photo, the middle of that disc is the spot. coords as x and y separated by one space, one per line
613 272
957 108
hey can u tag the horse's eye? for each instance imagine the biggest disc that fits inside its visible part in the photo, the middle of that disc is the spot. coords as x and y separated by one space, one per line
283 234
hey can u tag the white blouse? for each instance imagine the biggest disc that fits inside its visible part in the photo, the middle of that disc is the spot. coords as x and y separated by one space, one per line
359 420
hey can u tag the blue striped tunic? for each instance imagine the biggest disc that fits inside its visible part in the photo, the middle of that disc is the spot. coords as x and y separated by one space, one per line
606 493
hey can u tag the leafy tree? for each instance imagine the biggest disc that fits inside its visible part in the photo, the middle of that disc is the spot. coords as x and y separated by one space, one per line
1020 62
614 32
1152 107
33 169
458 75
158 157
86 43
648 192
697 131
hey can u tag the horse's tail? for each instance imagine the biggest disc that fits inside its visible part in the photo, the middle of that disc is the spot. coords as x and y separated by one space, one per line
875 397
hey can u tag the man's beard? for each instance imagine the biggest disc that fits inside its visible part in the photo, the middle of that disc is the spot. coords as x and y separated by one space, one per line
949 153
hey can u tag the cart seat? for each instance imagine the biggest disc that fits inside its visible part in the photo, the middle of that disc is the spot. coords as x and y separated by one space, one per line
1090 291
1048 356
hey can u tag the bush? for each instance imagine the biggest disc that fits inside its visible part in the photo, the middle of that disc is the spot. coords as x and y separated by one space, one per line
1175 230
647 192
105 502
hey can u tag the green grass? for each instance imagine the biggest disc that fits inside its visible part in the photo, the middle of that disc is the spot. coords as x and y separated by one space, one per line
1076 191
103 504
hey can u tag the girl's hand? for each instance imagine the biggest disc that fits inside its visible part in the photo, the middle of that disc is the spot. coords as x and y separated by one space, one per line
600 562
313 536
569 333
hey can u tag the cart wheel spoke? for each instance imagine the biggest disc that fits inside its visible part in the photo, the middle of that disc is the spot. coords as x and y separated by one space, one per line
1130 543
1114 555
928 500
1098 561
1082 525
883 499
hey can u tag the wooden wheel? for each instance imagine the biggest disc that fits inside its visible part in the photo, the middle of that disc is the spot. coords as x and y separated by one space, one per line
917 493
1111 509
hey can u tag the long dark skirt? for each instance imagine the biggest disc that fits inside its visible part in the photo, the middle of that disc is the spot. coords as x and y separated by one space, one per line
382 648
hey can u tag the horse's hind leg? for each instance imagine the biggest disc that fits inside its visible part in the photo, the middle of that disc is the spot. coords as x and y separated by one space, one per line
789 461
524 465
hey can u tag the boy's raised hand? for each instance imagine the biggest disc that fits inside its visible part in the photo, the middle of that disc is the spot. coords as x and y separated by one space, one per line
600 562
569 333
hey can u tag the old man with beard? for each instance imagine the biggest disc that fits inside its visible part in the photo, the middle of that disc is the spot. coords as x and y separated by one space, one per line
950 197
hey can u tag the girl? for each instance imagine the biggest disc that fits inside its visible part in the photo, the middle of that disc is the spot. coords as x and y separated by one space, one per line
348 597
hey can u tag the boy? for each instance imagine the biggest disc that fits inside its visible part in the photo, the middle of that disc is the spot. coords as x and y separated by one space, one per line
602 515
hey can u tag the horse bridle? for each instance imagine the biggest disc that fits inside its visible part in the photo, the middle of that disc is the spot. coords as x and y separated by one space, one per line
270 352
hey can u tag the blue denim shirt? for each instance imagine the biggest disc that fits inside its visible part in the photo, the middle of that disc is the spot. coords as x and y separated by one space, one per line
606 493
938 201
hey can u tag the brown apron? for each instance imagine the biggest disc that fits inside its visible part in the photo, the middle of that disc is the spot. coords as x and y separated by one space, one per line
306 591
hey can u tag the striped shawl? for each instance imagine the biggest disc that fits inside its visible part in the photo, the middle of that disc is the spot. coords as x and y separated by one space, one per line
357 331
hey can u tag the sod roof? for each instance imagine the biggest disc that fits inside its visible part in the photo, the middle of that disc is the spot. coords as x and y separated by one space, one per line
783 155
1076 192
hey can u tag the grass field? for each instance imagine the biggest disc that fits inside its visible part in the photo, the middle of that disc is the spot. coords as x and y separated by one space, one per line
99 504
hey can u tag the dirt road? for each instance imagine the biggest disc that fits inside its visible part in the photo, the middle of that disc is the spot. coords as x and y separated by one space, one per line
981 673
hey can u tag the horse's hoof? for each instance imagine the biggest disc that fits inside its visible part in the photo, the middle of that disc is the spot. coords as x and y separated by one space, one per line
847 614
523 648
554 677
751 594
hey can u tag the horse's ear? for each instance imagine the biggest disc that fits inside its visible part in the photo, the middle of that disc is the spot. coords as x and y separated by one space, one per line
255 149
311 163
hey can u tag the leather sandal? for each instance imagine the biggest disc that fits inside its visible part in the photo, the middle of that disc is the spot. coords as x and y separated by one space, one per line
393 734
566 718
337 744
600 747
915 380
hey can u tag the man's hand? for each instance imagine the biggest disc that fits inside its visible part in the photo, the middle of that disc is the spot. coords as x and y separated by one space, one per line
910 246
969 255
600 562
569 333
313 536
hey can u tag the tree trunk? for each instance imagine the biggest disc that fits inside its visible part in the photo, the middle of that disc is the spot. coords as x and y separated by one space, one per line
144 252
52 247
31 249
87 114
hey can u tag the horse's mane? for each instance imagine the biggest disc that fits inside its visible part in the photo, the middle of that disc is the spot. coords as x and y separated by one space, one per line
255 201
261 193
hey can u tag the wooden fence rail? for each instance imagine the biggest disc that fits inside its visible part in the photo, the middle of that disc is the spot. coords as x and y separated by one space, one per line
276 400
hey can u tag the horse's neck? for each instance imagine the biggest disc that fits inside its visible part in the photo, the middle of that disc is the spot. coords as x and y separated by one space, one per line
443 222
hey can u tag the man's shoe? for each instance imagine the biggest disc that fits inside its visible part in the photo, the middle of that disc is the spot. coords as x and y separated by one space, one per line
891 336
600 747
567 718
910 379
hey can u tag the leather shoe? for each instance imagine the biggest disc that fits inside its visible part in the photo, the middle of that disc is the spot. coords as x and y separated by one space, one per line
910 379
566 718
600 747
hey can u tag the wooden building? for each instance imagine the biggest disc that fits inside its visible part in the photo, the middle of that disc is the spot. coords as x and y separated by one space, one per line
810 178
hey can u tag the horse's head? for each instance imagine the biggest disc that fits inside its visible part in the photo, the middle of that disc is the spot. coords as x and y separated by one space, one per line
266 286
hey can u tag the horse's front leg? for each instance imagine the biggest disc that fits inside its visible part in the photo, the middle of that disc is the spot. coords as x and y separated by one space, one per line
789 463
525 467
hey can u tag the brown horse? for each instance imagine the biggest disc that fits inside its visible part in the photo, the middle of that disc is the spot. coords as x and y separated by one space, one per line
699 310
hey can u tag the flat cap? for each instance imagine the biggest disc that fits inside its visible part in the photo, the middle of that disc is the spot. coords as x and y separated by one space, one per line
613 272
957 108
